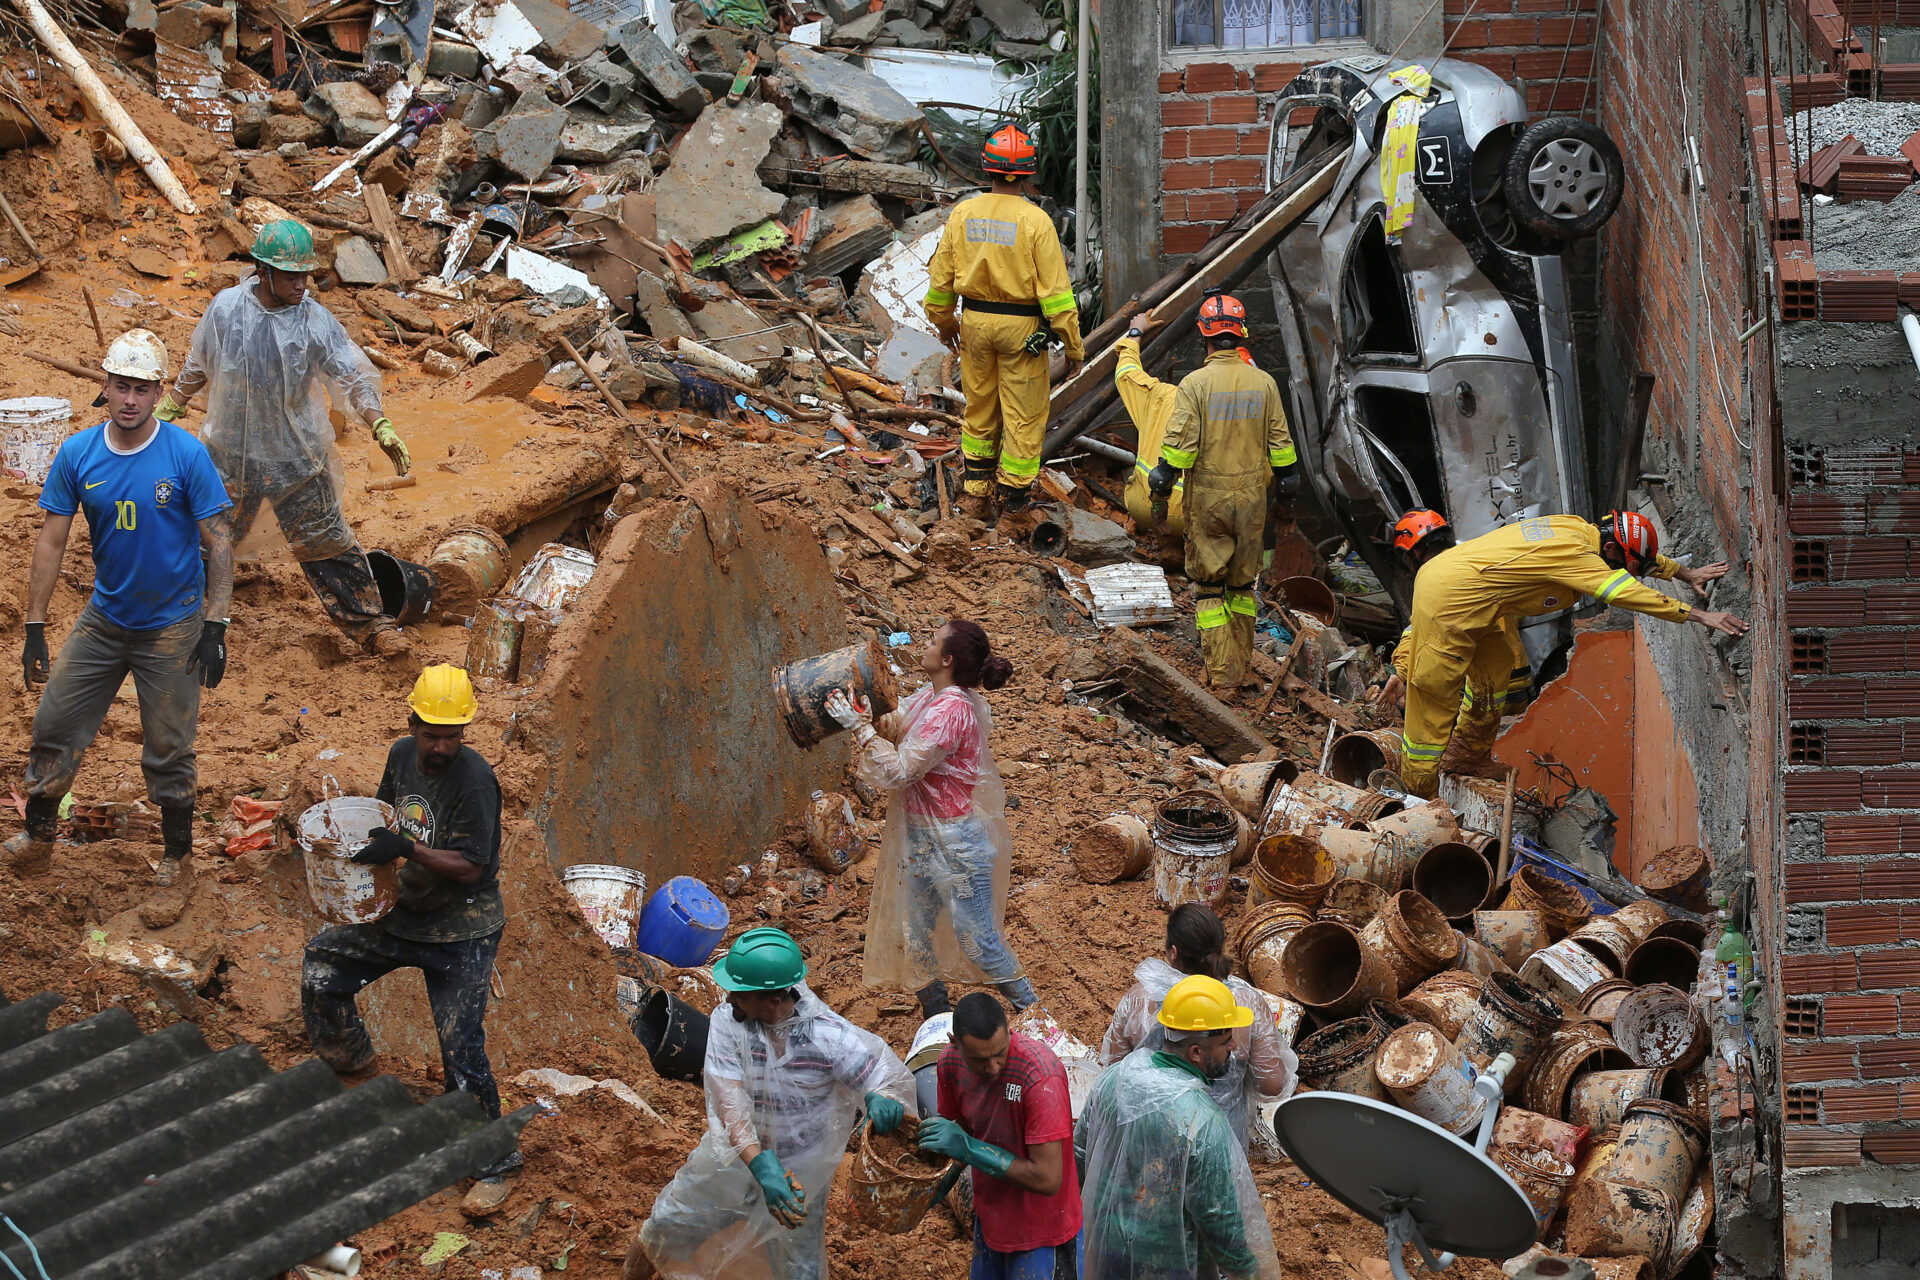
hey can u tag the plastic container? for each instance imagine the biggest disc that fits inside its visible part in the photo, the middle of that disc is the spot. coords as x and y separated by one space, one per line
1310 596
609 896
493 647
1116 848
801 688
1422 827
1454 877
833 841
1680 875
1331 971
1566 971
1513 935
1659 1027
1262 942
1194 835
329 834
1247 786
1355 757
892 1182
554 576
1531 889
1599 1099
674 1034
1608 940
1352 902
1379 857
1426 1074
1339 1059
406 589
1511 1017
1413 937
1667 960
682 923
31 429
470 564
1447 1000
1289 868
1543 1177
1577 1048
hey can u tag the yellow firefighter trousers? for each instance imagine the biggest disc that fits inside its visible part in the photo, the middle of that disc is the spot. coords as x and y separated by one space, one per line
1445 662
1006 392
1223 559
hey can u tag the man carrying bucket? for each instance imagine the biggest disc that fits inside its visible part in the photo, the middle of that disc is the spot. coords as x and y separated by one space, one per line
448 921
1004 1110
786 1079
154 506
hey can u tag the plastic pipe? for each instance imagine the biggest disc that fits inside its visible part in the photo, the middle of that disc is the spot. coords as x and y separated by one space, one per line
1910 325
1082 202
342 1259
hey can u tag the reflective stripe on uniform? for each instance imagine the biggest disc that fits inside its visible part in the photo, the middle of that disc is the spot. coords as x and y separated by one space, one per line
939 298
1210 612
1282 457
1613 586
1054 303
1023 468
1411 750
1129 367
1180 459
1242 602
975 447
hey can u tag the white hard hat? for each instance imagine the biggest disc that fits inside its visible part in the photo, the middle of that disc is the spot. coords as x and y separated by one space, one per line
137 354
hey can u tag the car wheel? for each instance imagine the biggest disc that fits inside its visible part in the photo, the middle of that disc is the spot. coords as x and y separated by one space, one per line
1563 178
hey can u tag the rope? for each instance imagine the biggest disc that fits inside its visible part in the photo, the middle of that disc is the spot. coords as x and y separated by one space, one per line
32 1252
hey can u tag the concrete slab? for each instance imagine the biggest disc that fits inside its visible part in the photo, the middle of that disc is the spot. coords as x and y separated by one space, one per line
664 320
526 138
859 33
604 84
356 261
851 105
356 113
562 36
659 68
857 232
711 190
913 37
1014 19
589 141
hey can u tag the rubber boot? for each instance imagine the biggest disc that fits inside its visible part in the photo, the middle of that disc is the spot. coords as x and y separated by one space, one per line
976 490
933 1000
174 879
389 642
31 852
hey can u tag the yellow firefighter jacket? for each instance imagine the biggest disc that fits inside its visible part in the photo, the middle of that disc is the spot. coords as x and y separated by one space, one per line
1003 249
1228 427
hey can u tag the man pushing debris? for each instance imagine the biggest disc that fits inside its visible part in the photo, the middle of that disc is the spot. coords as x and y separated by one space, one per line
448 921
264 349
154 504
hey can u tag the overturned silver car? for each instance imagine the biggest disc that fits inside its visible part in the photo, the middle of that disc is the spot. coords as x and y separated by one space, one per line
1437 371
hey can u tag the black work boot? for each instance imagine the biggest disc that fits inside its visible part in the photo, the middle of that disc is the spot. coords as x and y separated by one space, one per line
1014 500
933 1000
176 835
31 852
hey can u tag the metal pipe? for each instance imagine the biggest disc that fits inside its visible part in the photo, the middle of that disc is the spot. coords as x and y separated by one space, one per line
1106 450
1910 325
1082 202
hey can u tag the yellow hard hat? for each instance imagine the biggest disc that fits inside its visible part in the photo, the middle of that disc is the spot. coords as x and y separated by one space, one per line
1203 1004
444 695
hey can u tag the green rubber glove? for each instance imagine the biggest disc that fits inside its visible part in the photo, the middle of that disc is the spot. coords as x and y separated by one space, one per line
883 1113
170 409
786 1198
396 449
943 1137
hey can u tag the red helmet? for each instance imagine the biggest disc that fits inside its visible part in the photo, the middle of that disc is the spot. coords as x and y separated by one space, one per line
1010 150
1636 536
1222 313
1411 528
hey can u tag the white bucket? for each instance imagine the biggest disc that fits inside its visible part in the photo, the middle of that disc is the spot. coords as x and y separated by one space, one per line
1566 971
609 896
930 1041
1428 1076
330 833
31 429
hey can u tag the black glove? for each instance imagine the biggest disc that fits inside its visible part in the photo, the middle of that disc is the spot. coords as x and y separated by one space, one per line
384 846
1038 342
1161 479
35 661
210 655
1286 482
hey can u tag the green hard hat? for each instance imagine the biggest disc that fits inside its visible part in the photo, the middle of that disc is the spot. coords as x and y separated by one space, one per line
285 245
764 959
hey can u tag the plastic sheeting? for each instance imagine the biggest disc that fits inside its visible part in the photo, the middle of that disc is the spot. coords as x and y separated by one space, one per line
795 1089
1261 1056
1167 1191
948 854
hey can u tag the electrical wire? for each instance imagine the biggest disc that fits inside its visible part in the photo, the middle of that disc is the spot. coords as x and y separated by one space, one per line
32 1252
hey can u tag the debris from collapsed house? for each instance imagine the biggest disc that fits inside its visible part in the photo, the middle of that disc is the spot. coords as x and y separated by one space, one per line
854 106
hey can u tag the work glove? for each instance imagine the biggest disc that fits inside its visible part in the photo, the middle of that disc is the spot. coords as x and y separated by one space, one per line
943 1137
1286 482
883 1113
786 1198
170 409
854 713
35 661
1161 479
384 846
396 449
1037 342
210 655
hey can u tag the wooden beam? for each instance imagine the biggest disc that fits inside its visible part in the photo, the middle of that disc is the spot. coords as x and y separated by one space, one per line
1158 685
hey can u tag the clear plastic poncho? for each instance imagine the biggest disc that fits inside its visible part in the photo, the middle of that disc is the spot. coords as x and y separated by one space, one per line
1166 1190
1263 1067
963 863
795 1089
268 375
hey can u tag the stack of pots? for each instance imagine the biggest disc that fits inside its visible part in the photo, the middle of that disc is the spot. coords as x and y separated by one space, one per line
1531 889
1262 942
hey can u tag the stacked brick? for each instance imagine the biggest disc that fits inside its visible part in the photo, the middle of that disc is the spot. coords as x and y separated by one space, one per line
1216 121
1545 45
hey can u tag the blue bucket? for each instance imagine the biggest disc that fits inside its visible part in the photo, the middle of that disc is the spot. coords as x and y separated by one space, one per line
682 923
1528 854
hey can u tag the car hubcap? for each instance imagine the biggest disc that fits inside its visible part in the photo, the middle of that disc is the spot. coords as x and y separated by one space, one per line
1567 178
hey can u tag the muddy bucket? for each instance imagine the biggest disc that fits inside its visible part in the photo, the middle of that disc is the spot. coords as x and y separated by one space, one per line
470 564
1194 834
1603 999
1331 971
1116 848
1680 875
1511 1017
1477 958
1353 902
329 834
1607 940
1599 1099
1659 1027
1388 1015
493 648
801 688
1288 812
1310 596
1640 918
893 1182
609 896
31 431
1512 935
1543 1177
1375 856
1576 1048
1531 889
1247 786
1566 971
1355 756
1427 1075
1610 1218
1245 839
1446 1001
1667 960
1263 943
406 589
674 1034
1454 878
1289 868
1691 932
1421 827
1413 937
1339 1059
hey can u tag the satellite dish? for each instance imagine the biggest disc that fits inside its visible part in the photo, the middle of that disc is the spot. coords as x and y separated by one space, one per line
1425 1186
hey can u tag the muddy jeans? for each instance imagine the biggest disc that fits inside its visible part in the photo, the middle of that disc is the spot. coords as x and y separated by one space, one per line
342 960
94 662
317 533
950 871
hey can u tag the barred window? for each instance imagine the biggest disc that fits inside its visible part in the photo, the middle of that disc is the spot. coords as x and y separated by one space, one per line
1264 24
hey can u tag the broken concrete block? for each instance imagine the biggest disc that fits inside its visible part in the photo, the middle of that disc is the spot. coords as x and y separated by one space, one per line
857 232
603 83
589 141
278 131
526 138
664 320
913 37
356 114
562 36
510 375
711 189
854 106
1094 540
842 11
660 69
859 33
356 261
1016 51
1015 19
247 119
451 60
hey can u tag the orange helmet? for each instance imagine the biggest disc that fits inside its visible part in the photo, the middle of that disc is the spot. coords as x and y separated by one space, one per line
1009 149
1222 313
1411 528
1636 536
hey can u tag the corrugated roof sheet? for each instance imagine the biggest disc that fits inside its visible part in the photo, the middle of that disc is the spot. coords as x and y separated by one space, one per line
150 1157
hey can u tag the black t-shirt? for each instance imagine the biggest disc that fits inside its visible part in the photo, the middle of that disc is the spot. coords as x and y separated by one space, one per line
457 809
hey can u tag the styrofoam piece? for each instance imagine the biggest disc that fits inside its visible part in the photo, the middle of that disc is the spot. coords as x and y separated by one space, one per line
933 75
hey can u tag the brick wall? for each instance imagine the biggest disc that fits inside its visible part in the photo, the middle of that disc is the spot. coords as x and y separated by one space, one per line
1216 120
1544 45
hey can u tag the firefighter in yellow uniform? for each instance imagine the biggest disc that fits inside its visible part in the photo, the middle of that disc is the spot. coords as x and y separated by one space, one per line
1227 433
1536 566
1001 257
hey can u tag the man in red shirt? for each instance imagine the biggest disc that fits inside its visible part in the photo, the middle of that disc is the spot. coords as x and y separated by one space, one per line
1004 1110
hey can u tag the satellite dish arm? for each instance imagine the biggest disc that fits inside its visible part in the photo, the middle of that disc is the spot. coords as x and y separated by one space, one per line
1402 1228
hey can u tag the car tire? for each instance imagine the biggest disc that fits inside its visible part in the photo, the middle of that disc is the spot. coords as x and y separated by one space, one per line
1563 178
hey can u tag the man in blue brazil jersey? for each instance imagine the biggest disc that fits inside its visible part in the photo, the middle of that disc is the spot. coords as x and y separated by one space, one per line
154 504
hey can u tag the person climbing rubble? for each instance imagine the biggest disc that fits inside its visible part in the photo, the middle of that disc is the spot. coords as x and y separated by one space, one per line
449 918
265 350
1004 1111
1261 1064
154 506
1169 1194
1227 432
1534 566
1001 257
939 904
786 1081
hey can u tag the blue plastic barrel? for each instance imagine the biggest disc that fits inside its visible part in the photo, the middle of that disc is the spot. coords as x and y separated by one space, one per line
682 923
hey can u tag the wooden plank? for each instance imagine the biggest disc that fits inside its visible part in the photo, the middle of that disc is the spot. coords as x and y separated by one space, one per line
1280 677
380 214
880 536
1156 683
1334 710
